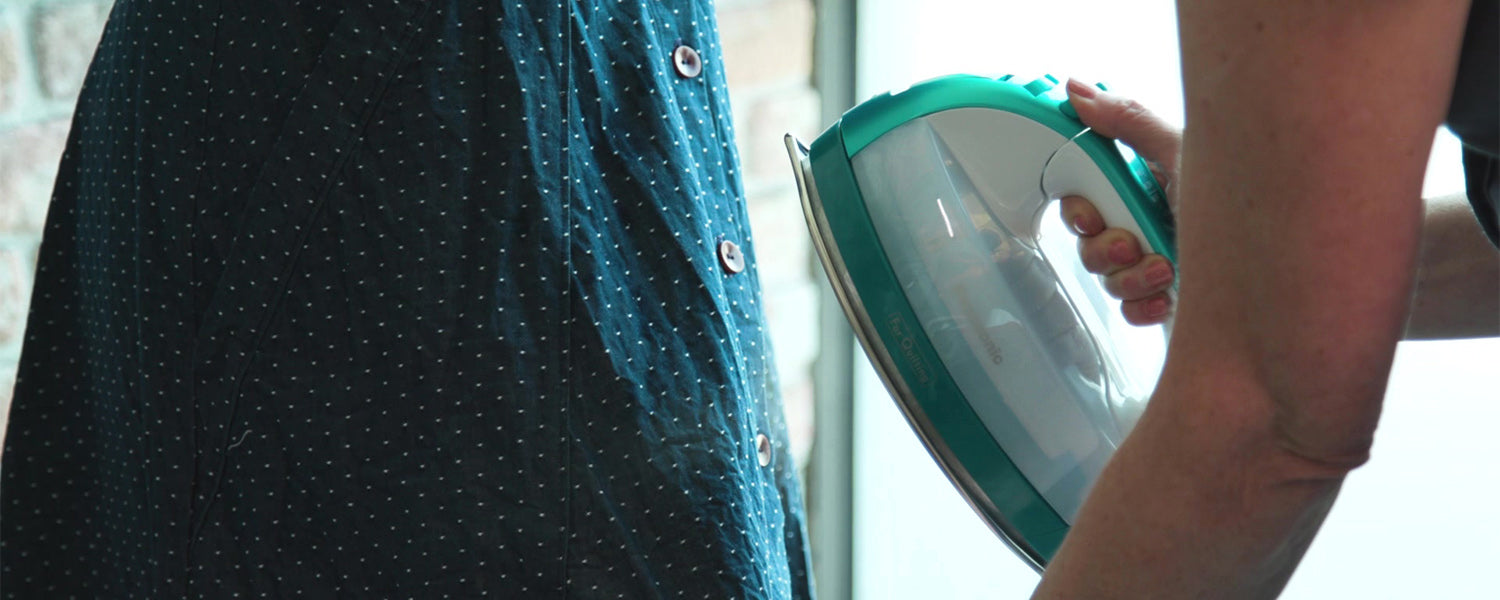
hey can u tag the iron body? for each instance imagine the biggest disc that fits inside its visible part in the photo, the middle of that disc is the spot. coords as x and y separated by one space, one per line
929 209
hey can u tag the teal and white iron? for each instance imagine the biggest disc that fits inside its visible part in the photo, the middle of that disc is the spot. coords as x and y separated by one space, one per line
930 211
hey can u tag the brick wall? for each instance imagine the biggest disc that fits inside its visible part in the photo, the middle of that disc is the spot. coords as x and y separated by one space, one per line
768 52
45 46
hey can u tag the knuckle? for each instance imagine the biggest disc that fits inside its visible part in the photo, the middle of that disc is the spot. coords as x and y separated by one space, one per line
1133 110
1136 314
1091 254
1112 287
1128 284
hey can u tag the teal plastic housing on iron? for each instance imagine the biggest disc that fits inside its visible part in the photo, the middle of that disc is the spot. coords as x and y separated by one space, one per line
1039 100
896 197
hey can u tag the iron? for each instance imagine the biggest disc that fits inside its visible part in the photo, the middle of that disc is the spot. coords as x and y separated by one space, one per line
933 212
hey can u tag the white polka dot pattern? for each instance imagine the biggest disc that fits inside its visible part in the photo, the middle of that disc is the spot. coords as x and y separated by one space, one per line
399 299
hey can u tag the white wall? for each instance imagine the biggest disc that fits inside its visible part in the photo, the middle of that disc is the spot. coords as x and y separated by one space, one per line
1416 522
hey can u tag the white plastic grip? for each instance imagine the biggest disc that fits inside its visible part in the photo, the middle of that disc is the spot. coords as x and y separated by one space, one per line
1072 172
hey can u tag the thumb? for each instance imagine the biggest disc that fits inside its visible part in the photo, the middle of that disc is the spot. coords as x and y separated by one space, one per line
1126 120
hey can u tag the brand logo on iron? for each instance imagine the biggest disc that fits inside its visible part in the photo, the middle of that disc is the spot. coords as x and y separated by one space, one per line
992 349
908 346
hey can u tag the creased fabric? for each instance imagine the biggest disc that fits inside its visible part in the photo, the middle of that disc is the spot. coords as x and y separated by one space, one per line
399 299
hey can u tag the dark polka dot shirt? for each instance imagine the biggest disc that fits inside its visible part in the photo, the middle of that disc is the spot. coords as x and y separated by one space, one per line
400 299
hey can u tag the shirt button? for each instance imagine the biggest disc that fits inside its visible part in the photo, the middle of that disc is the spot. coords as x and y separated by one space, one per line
687 61
731 257
763 449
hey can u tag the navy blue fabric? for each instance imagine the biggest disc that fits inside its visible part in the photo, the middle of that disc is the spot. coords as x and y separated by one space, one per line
399 299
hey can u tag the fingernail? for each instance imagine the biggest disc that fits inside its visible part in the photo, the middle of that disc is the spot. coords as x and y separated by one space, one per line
1156 308
1120 254
1158 274
1080 227
1081 89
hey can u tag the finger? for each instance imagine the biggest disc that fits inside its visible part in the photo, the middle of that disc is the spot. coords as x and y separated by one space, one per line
1151 276
1081 216
1110 251
1128 121
1148 311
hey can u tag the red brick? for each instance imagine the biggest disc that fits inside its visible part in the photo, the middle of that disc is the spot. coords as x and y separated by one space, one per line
767 43
28 165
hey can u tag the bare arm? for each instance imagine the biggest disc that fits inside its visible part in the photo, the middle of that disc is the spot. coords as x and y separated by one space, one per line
1308 126
1458 278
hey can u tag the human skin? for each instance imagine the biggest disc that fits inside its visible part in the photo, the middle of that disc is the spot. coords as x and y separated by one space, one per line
1458 270
1299 227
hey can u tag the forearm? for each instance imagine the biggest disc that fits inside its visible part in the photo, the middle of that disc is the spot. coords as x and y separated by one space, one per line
1299 229
1458 277
1190 509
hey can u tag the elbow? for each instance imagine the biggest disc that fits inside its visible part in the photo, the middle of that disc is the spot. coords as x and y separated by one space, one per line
1319 435
1322 422
1279 433
1317 454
